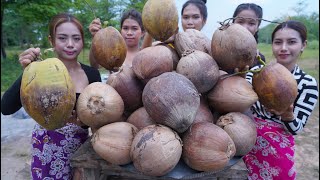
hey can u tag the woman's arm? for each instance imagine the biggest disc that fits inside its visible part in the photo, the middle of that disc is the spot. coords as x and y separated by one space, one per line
10 101
94 27
147 40
304 104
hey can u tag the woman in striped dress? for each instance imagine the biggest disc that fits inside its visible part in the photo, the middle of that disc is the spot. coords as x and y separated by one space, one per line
272 157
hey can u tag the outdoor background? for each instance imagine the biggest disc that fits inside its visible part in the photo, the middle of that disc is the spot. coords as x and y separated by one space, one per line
24 24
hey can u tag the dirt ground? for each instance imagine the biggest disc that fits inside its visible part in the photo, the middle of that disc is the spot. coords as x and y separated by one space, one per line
15 148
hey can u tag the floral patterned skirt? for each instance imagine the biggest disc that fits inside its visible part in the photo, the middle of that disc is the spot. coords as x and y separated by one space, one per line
272 157
51 151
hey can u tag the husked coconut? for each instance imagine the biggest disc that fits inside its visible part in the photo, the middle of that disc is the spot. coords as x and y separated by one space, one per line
156 150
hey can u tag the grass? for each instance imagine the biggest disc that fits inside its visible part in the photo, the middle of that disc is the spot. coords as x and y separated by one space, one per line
11 69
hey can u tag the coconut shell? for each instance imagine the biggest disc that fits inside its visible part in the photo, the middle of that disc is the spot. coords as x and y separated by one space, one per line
156 150
112 142
207 147
99 104
160 18
172 100
140 118
204 113
151 62
200 68
128 86
276 87
241 129
109 48
47 93
233 46
192 39
232 94
175 56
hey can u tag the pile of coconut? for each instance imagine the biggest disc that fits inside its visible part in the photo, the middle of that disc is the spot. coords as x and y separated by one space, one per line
176 101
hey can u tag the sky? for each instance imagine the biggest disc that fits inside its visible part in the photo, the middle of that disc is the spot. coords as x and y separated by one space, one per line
219 10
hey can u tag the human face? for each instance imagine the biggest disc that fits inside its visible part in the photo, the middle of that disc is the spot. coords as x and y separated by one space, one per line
287 46
131 32
192 18
68 41
248 19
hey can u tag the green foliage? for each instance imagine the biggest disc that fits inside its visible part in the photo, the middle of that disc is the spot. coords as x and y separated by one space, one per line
313 44
10 69
310 21
26 21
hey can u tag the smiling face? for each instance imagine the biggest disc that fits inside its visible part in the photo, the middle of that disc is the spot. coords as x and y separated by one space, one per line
248 19
287 47
68 41
192 18
131 32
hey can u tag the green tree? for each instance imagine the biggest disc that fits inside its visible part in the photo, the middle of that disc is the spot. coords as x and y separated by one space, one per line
26 21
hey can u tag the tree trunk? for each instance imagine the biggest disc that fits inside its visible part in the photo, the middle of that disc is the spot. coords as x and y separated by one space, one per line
3 51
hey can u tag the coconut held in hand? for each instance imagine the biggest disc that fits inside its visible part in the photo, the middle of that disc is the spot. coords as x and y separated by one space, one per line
47 93
276 87
109 48
233 46
160 18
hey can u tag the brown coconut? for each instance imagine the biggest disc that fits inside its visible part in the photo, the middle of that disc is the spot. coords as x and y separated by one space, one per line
241 129
172 100
140 118
112 142
200 68
207 147
175 56
232 94
192 39
109 48
99 104
151 62
128 86
160 18
204 113
156 150
276 87
233 46
47 93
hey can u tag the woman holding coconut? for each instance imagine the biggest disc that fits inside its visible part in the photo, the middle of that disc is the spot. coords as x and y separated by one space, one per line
52 149
131 30
272 157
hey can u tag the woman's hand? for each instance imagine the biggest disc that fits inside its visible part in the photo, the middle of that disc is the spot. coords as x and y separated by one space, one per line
74 119
287 115
95 26
29 55
236 70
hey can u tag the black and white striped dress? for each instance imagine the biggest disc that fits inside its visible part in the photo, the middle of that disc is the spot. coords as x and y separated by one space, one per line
303 105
